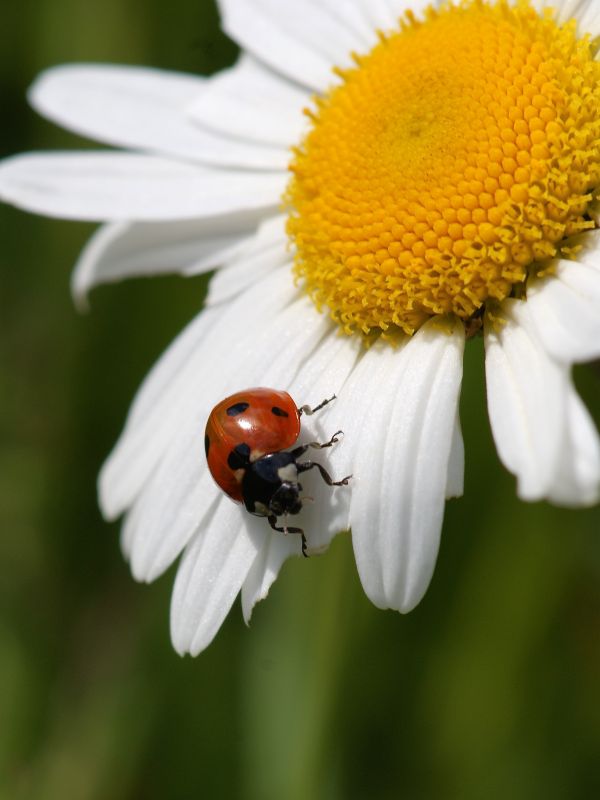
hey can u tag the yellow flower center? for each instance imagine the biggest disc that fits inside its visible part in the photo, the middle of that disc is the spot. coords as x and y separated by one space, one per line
450 163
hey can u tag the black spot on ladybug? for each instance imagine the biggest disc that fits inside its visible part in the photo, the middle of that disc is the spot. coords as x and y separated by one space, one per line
279 412
206 444
239 457
236 409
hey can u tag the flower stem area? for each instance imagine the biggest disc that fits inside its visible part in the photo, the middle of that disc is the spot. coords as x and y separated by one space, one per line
489 689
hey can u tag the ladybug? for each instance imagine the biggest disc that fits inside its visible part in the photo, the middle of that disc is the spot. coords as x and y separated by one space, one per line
245 442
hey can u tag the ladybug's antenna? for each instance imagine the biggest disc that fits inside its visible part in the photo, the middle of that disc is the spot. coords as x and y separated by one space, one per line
309 411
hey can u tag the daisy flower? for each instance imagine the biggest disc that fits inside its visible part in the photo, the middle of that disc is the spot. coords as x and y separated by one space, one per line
375 182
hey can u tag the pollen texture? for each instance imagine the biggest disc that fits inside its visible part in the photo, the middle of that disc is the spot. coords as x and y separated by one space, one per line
451 162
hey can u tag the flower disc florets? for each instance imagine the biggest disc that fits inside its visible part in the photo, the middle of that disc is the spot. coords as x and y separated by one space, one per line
450 163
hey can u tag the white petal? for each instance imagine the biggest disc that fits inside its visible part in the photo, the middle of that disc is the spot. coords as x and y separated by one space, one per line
401 465
275 549
385 15
142 109
125 249
526 401
211 574
103 186
588 16
288 39
193 361
577 480
322 375
179 493
251 261
251 101
347 413
353 406
565 309
590 247
147 435
565 9
350 14
586 13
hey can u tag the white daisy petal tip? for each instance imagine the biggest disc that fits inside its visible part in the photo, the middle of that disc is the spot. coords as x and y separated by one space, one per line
318 550
275 549
109 509
9 175
543 434
80 297
396 515
212 571
83 277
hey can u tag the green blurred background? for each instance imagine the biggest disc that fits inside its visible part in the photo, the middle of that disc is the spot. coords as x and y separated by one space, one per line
490 688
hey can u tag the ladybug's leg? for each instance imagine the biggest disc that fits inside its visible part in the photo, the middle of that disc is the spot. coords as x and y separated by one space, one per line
308 410
272 520
303 467
298 451
330 443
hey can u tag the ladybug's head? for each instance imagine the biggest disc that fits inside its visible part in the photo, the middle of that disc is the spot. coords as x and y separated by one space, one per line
270 485
286 499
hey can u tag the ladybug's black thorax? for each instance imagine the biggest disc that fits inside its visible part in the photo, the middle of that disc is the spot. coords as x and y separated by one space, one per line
270 485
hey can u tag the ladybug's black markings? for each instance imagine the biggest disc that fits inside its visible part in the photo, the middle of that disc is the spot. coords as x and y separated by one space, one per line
270 485
206 443
239 458
247 436
237 408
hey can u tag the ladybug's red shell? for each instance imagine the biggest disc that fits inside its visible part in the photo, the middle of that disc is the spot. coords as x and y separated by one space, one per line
266 420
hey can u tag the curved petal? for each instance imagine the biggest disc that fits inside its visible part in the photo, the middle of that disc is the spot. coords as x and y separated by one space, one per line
175 500
249 263
203 351
275 549
385 15
348 413
350 14
280 35
104 186
141 109
144 441
584 11
526 401
121 250
569 8
401 465
565 309
251 101
588 15
210 575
